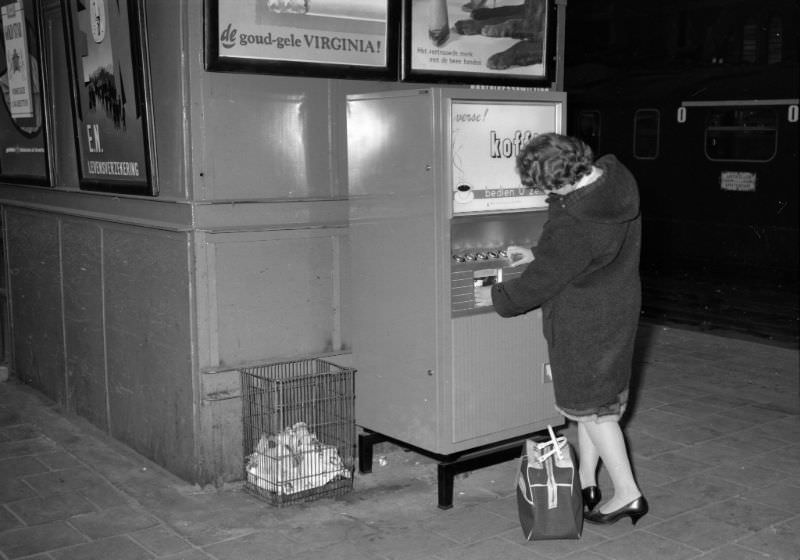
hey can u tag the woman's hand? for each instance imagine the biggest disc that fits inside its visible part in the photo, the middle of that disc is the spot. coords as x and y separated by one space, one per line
519 255
483 296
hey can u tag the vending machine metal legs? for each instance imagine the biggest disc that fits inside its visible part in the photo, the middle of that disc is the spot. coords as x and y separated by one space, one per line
449 466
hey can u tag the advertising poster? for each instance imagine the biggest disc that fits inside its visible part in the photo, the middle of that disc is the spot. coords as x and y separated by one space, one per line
23 140
110 87
20 96
485 139
478 41
323 37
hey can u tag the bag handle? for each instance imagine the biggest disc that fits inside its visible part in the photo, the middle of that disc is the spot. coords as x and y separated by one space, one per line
558 444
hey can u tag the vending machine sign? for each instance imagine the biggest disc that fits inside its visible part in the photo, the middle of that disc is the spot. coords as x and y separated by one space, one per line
485 139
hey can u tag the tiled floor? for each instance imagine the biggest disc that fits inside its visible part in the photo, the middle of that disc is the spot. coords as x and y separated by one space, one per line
714 429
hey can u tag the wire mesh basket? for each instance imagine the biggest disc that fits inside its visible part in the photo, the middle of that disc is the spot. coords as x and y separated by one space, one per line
299 430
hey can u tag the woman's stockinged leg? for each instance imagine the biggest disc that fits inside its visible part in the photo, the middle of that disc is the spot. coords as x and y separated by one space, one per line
610 445
588 457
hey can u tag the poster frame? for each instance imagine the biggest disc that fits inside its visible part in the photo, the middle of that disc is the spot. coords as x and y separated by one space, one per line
45 177
509 78
218 61
140 140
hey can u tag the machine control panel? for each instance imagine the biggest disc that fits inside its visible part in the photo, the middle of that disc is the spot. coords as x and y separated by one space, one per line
472 269
479 255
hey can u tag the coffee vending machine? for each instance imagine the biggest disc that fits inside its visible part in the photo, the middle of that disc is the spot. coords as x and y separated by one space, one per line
435 200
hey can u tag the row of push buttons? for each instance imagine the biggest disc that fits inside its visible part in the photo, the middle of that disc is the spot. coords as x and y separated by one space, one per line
481 256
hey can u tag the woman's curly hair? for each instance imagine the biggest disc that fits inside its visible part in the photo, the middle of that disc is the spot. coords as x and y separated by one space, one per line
551 161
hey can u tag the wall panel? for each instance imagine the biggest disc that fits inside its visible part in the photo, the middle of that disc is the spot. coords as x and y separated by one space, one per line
35 293
277 294
148 333
63 132
84 337
166 24
270 138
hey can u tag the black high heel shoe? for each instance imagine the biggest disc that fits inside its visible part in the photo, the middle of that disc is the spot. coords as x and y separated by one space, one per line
591 497
635 510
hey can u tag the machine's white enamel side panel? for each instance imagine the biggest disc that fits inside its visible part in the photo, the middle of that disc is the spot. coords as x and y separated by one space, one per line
394 286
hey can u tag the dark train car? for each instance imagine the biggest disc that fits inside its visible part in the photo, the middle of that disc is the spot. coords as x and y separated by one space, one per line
717 164
708 124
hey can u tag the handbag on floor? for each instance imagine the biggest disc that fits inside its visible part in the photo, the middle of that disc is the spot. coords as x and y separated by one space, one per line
549 495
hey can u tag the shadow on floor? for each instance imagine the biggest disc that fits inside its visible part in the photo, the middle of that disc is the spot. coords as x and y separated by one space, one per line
756 305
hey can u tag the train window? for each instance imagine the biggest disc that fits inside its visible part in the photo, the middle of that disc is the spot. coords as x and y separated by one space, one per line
589 129
741 134
646 123
750 41
775 40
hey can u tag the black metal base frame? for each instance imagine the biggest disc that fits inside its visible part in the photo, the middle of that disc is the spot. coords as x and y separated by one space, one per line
449 465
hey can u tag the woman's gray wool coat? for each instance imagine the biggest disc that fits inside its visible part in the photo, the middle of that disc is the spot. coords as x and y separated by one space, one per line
585 277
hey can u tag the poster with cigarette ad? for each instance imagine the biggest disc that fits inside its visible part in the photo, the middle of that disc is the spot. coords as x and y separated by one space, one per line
23 138
485 139
110 91
478 41
320 37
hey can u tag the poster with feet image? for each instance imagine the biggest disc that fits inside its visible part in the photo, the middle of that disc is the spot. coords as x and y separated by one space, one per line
479 41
